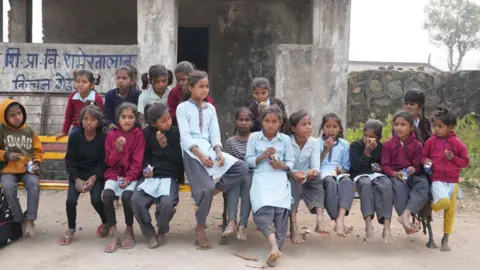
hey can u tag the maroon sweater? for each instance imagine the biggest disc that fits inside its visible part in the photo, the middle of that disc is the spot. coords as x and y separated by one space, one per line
75 106
396 157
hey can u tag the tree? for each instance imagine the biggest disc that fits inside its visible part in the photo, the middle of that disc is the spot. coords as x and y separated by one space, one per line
454 24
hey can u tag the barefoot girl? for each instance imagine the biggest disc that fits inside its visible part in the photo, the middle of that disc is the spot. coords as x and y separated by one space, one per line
374 188
401 157
305 176
124 149
335 158
203 158
164 156
83 95
414 103
237 147
85 163
270 154
447 156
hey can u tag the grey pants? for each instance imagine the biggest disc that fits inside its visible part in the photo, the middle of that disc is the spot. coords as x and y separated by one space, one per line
411 194
202 185
376 196
312 193
338 195
270 220
234 195
10 185
164 209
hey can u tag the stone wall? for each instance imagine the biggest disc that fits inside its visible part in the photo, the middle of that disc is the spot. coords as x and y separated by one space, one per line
378 92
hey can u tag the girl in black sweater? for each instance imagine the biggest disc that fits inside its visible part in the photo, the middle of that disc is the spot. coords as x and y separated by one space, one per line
163 174
85 162
375 189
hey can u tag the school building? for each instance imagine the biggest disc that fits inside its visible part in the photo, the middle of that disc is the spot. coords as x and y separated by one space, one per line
301 46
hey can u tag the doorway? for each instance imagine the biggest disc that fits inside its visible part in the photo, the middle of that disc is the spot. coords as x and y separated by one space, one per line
193 46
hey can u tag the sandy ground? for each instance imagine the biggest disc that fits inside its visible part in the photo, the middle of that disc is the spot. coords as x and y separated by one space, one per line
326 252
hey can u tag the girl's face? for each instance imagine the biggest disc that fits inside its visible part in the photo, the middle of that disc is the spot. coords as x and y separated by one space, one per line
200 89
270 124
89 122
164 123
181 78
441 130
160 83
244 122
122 79
260 94
331 128
402 127
413 108
83 85
303 128
368 134
127 119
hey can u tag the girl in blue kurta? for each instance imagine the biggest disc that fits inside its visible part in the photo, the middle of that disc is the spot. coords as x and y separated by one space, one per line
270 154
335 158
203 158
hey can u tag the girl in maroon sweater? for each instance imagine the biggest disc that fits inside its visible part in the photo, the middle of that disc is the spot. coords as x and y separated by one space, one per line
401 157
84 95
124 149
446 155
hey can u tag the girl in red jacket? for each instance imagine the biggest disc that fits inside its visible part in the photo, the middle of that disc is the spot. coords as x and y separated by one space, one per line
401 156
124 149
444 156
84 95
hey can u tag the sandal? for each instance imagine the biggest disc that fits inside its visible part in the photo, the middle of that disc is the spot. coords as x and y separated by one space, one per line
103 231
67 239
112 248
128 244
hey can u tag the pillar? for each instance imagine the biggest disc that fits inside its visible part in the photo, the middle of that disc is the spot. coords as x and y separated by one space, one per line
19 22
330 48
157 33
1 21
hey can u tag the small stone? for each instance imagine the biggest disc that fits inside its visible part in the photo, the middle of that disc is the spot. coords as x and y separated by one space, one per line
80 228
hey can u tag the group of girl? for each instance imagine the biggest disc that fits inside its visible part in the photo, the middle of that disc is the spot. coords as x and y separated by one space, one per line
270 163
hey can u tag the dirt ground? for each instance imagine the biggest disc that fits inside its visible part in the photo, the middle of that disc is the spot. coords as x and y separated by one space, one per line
327 252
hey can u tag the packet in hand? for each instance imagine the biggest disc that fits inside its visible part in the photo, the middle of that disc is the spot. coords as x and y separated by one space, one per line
405 174
428 167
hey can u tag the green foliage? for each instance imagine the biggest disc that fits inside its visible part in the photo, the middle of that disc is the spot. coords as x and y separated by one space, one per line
454 24
467 130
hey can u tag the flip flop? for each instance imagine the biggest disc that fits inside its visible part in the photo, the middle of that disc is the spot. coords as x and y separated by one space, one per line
99 231
112 248
66 240
123 246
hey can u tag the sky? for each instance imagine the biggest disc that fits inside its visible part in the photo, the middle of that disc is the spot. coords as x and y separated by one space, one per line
380 30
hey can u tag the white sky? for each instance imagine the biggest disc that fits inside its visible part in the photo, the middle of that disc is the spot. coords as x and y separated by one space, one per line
381 30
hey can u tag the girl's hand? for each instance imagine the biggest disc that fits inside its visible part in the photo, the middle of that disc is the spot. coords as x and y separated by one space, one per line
270 151
312 174
220 159
328 143
162 140
119 143
148 173
89 183
59 135
299 177
207 161
124 185
79 183
277 165
398 175
449 154
411 171
14 157
339 171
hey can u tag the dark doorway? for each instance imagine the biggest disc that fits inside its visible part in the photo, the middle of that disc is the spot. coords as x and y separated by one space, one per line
193 46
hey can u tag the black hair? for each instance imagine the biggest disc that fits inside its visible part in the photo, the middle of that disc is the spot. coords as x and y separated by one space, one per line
418 97
154 72
405 115
134 69
125 106
193 79
184 67
92 78
95 112
445 115
237 115
260 82
272 109
155 112
294 119
374 125
332 116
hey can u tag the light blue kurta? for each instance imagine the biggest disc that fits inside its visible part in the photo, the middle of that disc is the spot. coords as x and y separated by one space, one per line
307 158
340 158
199 127
270 187
156 187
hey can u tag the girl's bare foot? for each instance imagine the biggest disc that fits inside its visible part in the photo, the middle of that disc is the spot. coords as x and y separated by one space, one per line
129 241
29 228
161 239
231 228
369 235
242 233
406 224
387 235
202 239
295 235
273 256
340 229
152 242
321 227
445 246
